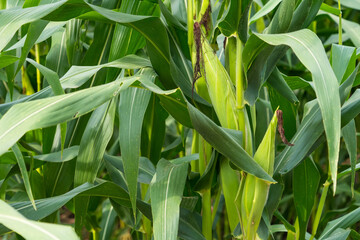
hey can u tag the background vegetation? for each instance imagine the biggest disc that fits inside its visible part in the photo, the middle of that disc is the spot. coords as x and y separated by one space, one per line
141 119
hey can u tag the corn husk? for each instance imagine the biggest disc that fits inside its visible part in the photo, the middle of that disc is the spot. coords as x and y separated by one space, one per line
254 191
220 88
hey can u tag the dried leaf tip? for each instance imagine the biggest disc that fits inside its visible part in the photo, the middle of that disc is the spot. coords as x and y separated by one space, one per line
279 115
205 19
197 67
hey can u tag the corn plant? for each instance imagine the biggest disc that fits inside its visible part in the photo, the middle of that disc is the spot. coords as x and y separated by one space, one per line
179 119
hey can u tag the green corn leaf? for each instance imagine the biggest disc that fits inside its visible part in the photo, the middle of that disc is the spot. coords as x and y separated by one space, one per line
13 19
108 218
33 34
349 134
309 50
166 191
146 168
27 116
6 60
312 128
354 4
254 191
50 29
131 110
68 154
31 229
78 75
306 179
51 77
56 59
24 173
268 7
93 144
225 144
343 222
277 81
343 61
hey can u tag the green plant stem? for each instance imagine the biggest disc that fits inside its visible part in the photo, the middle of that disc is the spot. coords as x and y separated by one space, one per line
204 159
340 24
95 234
38 75
239 75
195 149
320 208
190 20
2 4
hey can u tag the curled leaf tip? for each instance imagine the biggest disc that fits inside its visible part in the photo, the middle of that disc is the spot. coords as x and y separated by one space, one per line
279 115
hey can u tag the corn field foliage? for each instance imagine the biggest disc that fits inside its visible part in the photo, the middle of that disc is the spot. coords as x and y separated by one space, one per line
179 119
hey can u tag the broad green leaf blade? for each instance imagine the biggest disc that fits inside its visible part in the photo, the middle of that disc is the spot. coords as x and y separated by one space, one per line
78 75
127 40
6 60
349 134
343 61
343 222
108 218
339 234
166 192
146 168
329 9
49 205
269 56
157 41
277 81
27 116
350 28
172 100
154 129
50 29
33 34
355 4
230 21
54 81
281 21
312 128
33 230
268 7
226 144
230 184
51 77
24 173
93 144
309 50
12 19
67 155
190 225
131 110
56 59
94 141
306 179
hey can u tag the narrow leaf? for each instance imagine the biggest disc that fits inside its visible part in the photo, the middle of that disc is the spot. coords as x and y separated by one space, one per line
132 107
166 191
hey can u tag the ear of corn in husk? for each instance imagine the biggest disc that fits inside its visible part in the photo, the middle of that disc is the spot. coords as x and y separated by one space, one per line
220 88
254 191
